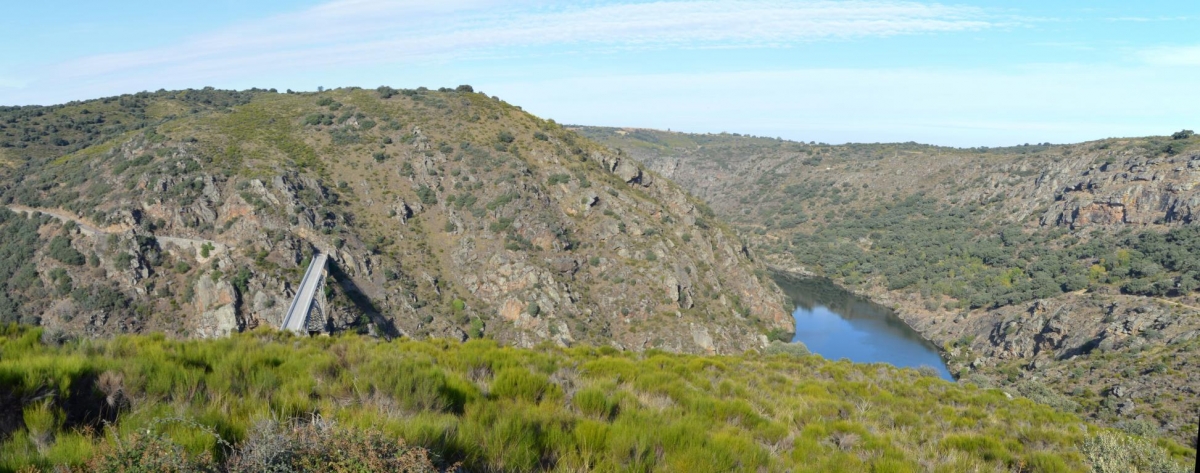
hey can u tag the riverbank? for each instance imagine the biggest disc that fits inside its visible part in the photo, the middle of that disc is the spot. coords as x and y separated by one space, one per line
1126 361
837 323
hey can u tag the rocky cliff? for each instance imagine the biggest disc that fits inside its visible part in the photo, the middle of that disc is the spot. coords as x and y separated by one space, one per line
445 213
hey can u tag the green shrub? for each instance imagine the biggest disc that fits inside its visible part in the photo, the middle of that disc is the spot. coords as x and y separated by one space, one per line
556 179
521 384
60 249
427 195
795 349
593 402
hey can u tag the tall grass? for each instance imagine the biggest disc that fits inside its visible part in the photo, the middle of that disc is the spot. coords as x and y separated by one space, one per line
493 408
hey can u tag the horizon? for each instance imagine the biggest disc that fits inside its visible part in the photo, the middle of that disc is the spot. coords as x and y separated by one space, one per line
966 74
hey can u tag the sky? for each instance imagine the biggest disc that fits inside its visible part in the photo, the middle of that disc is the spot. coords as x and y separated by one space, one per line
958 73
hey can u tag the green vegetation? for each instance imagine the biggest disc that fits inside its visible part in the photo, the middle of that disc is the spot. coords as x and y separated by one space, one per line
942 250
493 408
61 250
18 271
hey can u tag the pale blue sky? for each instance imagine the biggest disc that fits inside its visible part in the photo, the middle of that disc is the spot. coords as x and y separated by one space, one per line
956 73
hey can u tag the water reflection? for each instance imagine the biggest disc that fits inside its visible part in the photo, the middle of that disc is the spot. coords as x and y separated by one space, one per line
837 324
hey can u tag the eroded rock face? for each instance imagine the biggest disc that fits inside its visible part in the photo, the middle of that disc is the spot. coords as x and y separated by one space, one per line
216 303
1131 190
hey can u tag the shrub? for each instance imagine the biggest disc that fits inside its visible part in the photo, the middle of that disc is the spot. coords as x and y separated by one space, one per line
60 249
465 88
427 195
558 179
1183 134
595 403
505 137
319 445
795 349
476 328
521 384
780 335
147 453
1110 452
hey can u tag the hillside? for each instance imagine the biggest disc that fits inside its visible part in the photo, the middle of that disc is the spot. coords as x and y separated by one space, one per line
445 214
1070 269
257 401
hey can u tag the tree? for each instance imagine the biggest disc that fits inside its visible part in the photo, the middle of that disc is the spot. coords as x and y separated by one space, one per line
1183 135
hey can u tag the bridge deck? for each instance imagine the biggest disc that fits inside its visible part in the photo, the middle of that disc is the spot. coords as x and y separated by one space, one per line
296 317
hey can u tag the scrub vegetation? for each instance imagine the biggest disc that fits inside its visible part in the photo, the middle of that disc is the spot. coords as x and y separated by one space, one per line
223 404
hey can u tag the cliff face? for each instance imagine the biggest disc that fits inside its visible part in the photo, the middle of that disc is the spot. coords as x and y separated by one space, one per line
1065 269
447 214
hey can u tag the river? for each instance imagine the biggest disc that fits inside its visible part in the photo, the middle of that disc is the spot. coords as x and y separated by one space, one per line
836 324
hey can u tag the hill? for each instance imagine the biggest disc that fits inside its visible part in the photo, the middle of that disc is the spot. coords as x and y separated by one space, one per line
445 214
257 401
1064 269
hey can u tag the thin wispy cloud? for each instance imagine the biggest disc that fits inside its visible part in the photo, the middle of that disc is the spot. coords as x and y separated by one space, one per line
1172 55
355 32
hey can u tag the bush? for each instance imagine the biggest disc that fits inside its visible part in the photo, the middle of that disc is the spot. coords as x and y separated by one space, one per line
1183 134
427 195
465 88
521 384
1110 452
595 403
319 445
147 453
476 328
795 349
556 179
505 137
60 249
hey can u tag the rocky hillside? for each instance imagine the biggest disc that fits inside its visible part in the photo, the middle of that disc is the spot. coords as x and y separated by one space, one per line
446 214
1066 272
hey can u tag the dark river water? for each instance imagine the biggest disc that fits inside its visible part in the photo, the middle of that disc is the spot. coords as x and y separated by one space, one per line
837 324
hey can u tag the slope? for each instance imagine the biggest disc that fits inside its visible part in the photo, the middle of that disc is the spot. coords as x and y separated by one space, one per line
445 213
1066 272
492 408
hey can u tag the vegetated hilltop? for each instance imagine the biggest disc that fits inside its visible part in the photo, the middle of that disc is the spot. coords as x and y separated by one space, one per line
269 401
446 213
1063 270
